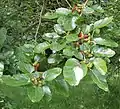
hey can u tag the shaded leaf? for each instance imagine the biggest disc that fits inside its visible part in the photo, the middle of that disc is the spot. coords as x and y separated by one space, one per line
62 87
47 93
99 79
3 33
98 8
35 93
88 10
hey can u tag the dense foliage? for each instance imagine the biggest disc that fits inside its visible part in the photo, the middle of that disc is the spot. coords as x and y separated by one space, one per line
36 64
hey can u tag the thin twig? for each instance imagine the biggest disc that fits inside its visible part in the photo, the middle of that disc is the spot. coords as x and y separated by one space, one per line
58 2
36 23
68 3
39 21
84 5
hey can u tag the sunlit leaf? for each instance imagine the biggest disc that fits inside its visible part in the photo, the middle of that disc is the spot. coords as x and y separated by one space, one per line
57 46
25 68
103 22
72 37
50 15
100 65
40 48
63 11
69 51
54 59
51 74
68 22
106 42
73 72
59 29
16 80
104 52
87 28
1 66
51 35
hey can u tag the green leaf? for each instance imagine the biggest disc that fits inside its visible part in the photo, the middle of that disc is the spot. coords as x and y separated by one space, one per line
85 47
55 59
57 46
88 10
84 68
98 8
25 68
3 33
22 55
50 15
73 72
100 65
106 42
59 29
99 79
63 11
35 93
72 37
51 35
80 20
47 92
78 54
103 22
40 48
1 67
68 22
16 80
97 31
69 51
61 87
104 52
87 28
51 74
